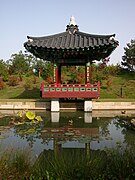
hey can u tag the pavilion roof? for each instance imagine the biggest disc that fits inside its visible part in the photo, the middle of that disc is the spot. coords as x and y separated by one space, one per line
71 39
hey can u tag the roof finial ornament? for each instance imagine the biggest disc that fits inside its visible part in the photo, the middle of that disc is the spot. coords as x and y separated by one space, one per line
72 21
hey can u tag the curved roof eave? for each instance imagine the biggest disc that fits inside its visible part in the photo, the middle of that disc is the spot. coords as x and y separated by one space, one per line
66 32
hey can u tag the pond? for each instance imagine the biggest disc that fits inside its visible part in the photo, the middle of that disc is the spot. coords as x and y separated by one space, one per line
68 131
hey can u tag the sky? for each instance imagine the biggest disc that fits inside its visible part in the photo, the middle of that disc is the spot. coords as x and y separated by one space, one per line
20 18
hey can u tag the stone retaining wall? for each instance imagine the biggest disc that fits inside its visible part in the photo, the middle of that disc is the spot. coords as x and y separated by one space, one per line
25 105
35 105
113 105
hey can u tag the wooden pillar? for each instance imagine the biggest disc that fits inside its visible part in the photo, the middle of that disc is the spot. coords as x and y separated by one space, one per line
88 73
57 74
54 73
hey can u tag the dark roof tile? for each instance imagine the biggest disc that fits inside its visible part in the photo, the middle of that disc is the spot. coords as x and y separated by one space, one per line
72 38
68 40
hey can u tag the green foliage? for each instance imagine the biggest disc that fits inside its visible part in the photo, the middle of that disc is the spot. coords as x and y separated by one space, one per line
19 64
73 74
15 164
1 84
3 70
27 117
38 118
109 83
112 70
43 68
13 80
128 60
100 74
108 164
125 80
49 80
29 81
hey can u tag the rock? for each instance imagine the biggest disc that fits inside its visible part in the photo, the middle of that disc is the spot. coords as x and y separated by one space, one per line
133 122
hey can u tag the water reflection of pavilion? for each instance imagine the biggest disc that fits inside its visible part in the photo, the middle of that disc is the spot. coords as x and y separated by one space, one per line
55 117
78 129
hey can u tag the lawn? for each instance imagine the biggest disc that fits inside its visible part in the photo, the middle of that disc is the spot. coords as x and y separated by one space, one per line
26 89
122 87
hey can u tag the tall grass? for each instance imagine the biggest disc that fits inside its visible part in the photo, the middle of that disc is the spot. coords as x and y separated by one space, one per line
15 164
71 164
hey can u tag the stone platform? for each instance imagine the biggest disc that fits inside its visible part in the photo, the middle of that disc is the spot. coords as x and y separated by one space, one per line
71 106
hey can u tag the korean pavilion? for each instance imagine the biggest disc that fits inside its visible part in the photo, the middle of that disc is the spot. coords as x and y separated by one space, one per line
71 48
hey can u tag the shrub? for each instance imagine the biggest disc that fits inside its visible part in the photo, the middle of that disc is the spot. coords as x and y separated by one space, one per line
31 82
3 70
109 83
13 80
1 84
28 83
49 80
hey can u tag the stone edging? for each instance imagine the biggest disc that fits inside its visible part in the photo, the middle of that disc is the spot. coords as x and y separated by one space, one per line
37 105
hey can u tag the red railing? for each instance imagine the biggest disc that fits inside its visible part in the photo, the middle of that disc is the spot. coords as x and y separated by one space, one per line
71 90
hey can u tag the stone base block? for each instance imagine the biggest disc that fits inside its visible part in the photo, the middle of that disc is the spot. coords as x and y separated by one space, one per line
55 106
87 105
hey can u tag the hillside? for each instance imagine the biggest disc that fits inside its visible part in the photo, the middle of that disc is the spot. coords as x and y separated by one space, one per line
120 86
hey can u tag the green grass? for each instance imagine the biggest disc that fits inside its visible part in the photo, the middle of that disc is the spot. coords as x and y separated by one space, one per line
28 90
114 100
114 91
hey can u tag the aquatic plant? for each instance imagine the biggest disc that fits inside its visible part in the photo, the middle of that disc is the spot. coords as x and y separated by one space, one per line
27 117
30 115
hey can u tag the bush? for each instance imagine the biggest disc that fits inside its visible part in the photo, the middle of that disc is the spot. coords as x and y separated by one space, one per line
31 82
28 83
3 70
1 84
13 80
49 80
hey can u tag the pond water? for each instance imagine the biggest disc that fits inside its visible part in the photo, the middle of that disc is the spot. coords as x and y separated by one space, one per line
68 130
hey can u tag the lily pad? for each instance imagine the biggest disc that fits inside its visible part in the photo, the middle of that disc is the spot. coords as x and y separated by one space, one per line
20 123
69 133
31 131
38 118
3 137
4 130
30 115
44 131
54 130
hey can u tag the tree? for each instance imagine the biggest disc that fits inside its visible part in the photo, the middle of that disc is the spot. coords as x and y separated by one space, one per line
129 56
19 64
3 70
43 68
